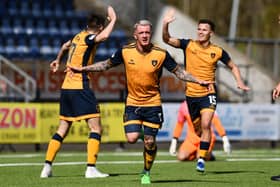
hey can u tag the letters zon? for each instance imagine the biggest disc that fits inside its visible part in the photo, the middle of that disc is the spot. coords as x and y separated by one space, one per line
17 118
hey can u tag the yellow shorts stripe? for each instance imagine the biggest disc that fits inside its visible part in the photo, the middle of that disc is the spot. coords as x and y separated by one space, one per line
78 118
134 122
207 109
152 125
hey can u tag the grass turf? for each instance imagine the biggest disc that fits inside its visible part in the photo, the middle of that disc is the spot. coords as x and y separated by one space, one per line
242 168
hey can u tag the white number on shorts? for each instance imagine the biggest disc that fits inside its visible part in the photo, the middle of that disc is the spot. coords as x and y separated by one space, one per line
212 99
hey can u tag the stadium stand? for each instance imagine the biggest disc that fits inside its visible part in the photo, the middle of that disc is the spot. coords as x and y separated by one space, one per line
35 29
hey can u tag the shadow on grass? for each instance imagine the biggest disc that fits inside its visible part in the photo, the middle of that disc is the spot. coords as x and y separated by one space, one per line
232 172
120 174
189 180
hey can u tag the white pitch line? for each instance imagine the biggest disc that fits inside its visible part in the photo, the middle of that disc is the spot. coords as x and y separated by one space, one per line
252 159
83 163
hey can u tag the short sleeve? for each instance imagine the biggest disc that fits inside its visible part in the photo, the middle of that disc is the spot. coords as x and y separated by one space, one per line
117 57
184 43
169 63
90 39
225 58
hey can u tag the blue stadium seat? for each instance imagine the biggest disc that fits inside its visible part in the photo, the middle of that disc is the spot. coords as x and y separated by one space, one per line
10 48
3 8
22 48
29 27
112 46
102 52
74 27
36 9
41 27
53 29
119 36
24 9
34 48
18 27
45 49
64 29
6 28
58 11
56 45
12 7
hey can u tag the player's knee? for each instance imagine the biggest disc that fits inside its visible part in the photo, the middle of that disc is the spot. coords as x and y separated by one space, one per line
149 141
180 157
131 138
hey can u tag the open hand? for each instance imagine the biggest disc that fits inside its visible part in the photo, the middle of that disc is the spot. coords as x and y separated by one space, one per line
169 16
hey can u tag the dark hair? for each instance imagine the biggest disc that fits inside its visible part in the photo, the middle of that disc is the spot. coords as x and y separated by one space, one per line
209 22
95 21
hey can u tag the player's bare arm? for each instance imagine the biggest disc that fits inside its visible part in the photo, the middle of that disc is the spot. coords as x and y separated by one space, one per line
236 73
104 34
186 76
276 92
55 64
97 67
168 18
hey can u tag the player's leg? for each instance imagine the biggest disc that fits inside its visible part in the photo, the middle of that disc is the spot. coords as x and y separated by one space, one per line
132 124
54 147
210 156
149 153
93 148
206 118
152 120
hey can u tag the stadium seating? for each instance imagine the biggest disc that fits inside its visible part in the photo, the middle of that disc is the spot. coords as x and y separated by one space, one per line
36 29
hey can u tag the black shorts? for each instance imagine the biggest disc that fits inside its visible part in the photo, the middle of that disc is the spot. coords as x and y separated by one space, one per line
151 118
76 105
197 104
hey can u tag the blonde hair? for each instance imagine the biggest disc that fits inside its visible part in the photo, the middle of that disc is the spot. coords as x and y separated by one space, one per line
143 22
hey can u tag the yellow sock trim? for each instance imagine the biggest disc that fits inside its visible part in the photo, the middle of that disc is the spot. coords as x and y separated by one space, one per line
203 153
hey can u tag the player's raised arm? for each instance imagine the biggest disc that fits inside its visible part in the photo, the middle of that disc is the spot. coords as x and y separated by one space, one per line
168 18
55 64
105 33
236 73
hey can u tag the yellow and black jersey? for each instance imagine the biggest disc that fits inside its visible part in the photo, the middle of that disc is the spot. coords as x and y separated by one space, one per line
201 62
81 53
143 72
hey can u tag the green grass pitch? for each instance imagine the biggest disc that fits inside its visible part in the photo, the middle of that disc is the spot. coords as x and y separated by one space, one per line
242 168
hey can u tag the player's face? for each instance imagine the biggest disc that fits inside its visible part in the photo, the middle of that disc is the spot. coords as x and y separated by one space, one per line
204 32
143 34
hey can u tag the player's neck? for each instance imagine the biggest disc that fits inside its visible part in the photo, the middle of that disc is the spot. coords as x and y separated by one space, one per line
144 49
204 44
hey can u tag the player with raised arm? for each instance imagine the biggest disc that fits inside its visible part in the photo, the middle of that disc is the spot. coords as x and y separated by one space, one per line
77 100
201 58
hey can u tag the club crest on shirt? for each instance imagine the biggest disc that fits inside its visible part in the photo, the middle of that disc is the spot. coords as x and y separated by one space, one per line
213 55
131 61
154 62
